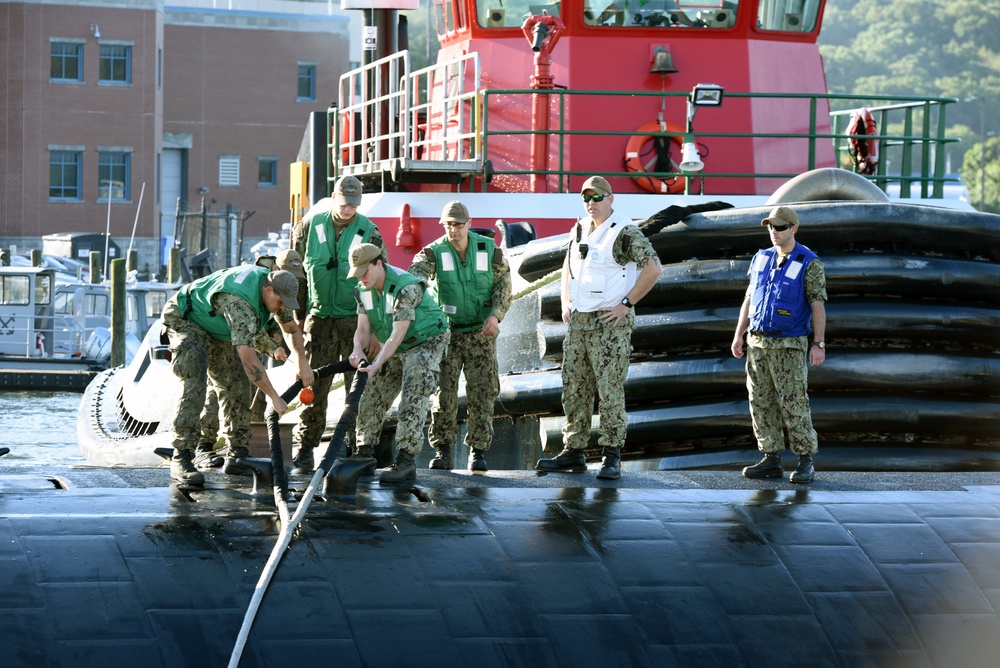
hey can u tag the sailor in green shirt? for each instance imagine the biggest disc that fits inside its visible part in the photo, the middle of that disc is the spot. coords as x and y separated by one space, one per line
395 307
471 282
324 239
211 324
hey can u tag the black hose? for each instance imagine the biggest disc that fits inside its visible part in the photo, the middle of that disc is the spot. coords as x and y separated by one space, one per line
274 435
346 422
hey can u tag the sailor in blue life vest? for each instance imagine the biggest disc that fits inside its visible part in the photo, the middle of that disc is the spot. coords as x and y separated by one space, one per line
610 265
413 330
471 282
784 305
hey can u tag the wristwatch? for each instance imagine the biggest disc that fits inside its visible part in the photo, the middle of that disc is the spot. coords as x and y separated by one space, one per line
820 344
626 302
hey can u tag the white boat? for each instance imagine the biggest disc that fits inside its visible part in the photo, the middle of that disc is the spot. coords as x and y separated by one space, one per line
56 334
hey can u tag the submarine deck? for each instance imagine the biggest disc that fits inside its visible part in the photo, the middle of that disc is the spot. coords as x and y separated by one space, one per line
680 568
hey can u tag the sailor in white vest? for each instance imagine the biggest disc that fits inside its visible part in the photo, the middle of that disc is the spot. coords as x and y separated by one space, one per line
609 267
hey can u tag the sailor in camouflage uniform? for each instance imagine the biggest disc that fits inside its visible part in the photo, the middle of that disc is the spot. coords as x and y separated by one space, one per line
268 344
211 324
324 239
395 307
471 283
784 304
610 265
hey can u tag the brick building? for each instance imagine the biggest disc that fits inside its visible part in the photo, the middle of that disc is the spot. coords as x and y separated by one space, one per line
186 100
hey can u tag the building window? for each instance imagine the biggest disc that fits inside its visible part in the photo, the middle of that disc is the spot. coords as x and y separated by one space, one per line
229 170
116 64
267 171
67 62
114 174
64 174
307 82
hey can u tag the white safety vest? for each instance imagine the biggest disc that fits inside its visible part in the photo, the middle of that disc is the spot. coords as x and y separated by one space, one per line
597 281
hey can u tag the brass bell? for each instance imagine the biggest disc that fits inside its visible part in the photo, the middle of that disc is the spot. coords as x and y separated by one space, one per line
663 62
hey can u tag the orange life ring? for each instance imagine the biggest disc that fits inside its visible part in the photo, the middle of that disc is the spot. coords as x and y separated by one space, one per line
634 157
864 151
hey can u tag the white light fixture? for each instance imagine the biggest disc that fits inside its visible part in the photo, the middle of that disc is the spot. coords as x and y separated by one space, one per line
707 95
690 158
96 29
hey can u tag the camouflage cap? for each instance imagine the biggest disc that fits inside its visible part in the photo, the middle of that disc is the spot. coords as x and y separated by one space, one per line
362 256
598 184
286 286
289 260
348 190
781 215
455 212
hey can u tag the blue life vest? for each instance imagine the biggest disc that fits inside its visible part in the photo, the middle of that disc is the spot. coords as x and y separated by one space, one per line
778 305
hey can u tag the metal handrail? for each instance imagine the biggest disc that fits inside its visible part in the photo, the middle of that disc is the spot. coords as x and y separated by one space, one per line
394 125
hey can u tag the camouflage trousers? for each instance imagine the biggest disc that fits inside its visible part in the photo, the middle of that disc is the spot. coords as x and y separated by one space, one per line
476 354
777 383
196 356
415 373
327 340
210 415
595 359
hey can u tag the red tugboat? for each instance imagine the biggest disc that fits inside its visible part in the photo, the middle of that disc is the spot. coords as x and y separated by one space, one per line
714 99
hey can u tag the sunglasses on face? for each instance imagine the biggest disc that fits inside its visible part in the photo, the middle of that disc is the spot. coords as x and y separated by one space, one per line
780 228
453 223
593 198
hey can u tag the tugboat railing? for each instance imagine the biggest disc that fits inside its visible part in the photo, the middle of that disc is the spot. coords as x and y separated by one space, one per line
438 125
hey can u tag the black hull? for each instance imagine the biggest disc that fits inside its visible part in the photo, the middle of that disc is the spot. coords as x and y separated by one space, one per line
913 328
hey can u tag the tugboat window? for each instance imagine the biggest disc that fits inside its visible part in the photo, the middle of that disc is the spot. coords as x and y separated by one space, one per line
661 13
788 15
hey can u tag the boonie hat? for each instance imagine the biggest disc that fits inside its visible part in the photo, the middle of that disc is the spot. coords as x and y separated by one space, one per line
289 260
455 212
598 184
781 215
348 190
287 287
361 257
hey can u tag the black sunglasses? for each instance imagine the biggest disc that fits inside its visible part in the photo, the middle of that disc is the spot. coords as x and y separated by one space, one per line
779 228
594 198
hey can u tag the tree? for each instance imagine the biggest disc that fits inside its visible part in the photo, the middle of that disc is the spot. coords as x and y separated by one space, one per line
948 48
981 172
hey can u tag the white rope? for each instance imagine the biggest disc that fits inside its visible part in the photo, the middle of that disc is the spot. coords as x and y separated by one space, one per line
284 539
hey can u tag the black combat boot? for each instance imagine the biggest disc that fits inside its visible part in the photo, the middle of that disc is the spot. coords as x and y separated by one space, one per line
477 461
804 472
182 468
768 467
445 460
611 467
205 457
567 461
232 466
404 468
303 461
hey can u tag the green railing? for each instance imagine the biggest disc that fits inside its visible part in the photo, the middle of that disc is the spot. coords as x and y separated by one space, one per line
904 150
